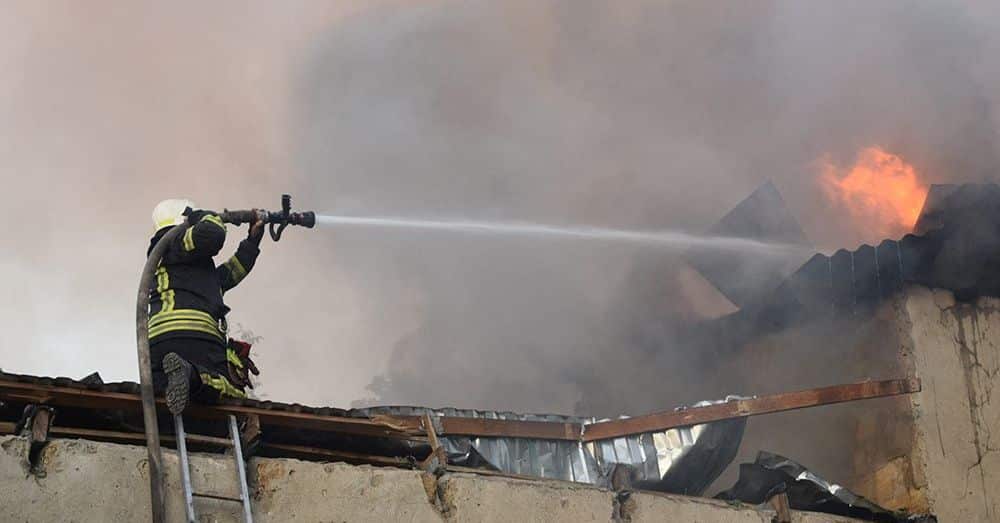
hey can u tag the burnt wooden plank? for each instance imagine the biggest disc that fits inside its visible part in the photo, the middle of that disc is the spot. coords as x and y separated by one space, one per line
41 421
336 455
410 427
85 398
749 407
116 436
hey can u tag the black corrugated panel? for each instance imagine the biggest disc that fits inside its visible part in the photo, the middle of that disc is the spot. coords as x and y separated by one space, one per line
963 259
866 283
812 285
911 249
842 278
747 279
889 272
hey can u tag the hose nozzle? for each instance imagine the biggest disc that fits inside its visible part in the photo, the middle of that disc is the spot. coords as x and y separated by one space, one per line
305 219
276 220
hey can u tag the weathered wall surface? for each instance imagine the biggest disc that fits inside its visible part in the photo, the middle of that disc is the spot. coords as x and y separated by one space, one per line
657 508
955 350
466 497
829 350
300 491
84 481
932 451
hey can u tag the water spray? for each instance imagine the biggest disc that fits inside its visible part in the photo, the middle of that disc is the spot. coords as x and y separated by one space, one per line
674 239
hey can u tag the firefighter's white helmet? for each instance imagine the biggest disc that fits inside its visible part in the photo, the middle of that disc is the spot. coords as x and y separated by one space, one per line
170 212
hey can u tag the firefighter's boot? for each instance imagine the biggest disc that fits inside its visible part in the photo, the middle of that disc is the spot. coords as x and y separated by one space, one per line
178 373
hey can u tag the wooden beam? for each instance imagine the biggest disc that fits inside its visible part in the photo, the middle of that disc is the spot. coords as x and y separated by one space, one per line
438 457
116 436
402 427
71 397
782 508
139 438
337 455
749 407
410 427
41 422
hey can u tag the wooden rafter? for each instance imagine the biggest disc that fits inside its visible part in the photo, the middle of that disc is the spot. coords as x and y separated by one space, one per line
411 427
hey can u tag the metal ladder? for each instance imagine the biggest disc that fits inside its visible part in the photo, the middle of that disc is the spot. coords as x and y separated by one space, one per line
189 494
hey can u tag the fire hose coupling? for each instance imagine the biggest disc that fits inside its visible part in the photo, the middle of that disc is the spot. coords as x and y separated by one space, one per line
276 220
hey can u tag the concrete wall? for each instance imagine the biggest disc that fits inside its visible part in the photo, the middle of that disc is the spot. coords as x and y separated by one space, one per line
955 350
85 481
933 451
829 350
658 508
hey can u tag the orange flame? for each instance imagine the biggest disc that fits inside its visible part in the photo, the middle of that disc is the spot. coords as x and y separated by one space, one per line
881 191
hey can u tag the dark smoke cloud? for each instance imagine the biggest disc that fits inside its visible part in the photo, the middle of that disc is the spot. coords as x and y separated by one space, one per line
644 114
632 114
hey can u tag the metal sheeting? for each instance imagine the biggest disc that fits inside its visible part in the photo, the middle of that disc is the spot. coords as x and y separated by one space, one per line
682 460
771 474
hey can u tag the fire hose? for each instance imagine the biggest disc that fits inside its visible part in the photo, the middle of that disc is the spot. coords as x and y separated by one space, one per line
277 222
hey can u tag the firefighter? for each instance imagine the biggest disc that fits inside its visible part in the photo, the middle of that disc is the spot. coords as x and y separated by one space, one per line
190 356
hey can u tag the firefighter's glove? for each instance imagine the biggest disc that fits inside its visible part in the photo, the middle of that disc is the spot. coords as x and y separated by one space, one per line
240 364
256 232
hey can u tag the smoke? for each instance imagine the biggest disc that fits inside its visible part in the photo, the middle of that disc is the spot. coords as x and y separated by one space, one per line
646 115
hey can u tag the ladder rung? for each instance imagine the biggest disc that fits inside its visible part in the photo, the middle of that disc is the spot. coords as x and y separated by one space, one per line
216 496
208 440
234 443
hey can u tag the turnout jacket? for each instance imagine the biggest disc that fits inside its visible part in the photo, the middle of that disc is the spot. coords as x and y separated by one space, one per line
187 301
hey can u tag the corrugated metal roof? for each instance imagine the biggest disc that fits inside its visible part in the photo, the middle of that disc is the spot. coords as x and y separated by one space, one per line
680 460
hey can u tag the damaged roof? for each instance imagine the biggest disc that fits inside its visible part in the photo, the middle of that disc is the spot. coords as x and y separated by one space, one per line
679 460
958 249
744 278
678 451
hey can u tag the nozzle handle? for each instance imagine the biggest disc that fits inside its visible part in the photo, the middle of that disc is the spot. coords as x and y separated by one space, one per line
276 234
276 220
241 217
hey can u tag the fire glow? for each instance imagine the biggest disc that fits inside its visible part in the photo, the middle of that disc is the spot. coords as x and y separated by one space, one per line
882 193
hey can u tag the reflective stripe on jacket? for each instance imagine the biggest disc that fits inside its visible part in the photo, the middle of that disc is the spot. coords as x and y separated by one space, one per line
187 300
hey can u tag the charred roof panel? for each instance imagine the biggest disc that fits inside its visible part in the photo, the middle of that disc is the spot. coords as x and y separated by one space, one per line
954 203
960 253
744 278
889 267
683 460
842 275
866 282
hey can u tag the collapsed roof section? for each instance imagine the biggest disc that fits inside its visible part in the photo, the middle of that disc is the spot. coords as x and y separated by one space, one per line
958 250
683 460
952 203
677 451
742 277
